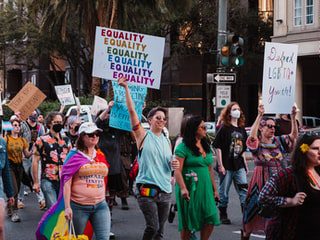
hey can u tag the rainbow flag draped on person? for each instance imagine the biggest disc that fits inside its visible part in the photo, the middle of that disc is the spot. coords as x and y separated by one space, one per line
53 221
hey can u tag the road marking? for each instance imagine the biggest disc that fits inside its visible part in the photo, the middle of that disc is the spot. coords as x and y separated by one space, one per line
252 235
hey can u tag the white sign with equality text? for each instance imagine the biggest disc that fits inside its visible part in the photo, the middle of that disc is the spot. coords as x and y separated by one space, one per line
279 77
136 56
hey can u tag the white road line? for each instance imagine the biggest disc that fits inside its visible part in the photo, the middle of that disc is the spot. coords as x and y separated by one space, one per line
252 235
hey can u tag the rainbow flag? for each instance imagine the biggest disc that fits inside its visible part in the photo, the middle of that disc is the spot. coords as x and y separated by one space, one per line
53 221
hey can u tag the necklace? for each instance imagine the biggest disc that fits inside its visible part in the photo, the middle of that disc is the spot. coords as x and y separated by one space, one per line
313 179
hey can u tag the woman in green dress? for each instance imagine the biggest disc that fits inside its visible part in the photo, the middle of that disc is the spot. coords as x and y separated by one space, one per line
196 189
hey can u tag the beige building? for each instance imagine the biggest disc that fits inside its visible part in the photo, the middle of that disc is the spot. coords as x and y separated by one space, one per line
298 22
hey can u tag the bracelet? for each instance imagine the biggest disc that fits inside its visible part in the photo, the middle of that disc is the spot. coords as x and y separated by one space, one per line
136 127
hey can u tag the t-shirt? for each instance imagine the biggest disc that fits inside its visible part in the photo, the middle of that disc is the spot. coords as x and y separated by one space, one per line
15 147
232 142
88 186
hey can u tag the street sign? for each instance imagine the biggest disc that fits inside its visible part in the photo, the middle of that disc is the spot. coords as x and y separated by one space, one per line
224 78
223 95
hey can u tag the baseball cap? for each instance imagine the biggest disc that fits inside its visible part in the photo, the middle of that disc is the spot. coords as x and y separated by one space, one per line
88 127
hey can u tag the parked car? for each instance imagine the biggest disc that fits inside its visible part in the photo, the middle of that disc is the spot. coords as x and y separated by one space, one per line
310 122
85 112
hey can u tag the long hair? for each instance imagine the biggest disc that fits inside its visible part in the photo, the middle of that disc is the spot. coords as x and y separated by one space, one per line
299 159
226 118
184 124
50 116
189 137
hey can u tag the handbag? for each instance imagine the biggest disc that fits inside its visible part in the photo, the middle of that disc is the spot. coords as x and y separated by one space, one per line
69 234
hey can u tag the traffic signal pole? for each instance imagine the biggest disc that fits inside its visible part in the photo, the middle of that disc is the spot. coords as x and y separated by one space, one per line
221 41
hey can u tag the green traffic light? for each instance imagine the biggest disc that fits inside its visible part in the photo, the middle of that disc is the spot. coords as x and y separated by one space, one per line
238 61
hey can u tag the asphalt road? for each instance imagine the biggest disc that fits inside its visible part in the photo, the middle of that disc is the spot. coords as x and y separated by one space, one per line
126 224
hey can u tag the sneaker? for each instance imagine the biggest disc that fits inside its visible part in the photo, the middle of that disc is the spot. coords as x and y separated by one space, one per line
20 204
112 236
15 218
42 204
25 193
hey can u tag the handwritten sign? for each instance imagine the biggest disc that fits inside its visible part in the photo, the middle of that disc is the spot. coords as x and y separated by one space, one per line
27 100
138 57
279 77
65 94
119 117
98 105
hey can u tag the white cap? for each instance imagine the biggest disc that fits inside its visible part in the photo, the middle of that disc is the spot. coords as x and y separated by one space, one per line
88 127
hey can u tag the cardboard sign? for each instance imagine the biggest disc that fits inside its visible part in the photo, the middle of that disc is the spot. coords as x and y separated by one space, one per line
279 77
119 117
98 105
138 57
65 94
27 100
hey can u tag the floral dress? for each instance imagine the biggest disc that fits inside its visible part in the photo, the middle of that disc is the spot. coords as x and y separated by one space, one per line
201 209
269 159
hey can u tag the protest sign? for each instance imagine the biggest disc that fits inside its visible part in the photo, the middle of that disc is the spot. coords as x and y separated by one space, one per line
65 94
279 77
98 105
27 100
138 57
119 117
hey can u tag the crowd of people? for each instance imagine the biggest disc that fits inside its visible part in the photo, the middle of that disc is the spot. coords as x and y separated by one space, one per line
81 168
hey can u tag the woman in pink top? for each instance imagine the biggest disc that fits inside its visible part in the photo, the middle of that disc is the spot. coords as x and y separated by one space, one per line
84 192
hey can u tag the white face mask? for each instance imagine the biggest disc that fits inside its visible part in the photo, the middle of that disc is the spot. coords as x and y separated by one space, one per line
235 114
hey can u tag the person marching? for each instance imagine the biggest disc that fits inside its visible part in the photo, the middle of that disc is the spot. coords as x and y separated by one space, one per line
196 189
294 195
155 166
269 157
230 143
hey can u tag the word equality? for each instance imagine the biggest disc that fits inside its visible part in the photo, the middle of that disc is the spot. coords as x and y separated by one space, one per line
122 35
125 44
127 53
133 78
129 61
131 70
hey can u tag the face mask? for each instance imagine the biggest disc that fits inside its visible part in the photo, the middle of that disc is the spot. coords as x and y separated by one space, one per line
33 118
235 114
57 127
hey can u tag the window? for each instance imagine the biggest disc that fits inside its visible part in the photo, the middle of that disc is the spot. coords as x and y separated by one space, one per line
298 12
309 12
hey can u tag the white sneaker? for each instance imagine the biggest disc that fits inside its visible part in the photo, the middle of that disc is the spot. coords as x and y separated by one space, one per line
15 218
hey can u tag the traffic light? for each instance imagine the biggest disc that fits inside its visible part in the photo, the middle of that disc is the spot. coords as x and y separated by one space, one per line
231 54
236 45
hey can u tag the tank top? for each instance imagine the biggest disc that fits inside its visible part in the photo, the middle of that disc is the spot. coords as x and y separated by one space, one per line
154 162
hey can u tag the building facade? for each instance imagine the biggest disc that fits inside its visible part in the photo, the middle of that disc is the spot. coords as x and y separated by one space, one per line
298 22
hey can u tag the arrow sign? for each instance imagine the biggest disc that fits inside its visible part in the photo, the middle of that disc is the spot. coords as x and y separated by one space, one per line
224 78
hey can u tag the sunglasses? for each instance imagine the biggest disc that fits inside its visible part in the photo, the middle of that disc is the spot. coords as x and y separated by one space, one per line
161 118
16 125
270 126
94 134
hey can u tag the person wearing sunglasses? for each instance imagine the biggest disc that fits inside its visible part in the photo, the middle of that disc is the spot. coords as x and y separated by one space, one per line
155 166
17 147
268 152
196 189
230 143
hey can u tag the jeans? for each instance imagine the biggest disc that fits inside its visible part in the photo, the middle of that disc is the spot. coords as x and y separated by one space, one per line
99 216
240 183
50 191
156 212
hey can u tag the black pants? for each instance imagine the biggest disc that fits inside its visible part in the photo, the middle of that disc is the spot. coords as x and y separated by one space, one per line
17 172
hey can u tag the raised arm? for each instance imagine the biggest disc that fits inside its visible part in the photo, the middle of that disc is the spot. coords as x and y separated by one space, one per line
294 125
255 126
138 131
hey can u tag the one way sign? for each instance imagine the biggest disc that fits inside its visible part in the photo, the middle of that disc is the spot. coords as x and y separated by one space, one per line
221 78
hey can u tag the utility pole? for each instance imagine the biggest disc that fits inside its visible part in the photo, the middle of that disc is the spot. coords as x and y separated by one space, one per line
221 41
